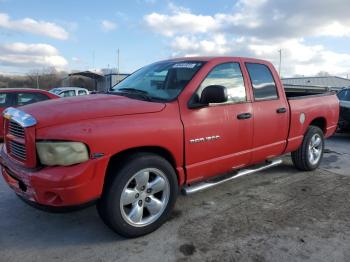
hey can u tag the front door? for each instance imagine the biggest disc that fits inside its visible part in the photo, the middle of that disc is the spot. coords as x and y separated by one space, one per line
218 137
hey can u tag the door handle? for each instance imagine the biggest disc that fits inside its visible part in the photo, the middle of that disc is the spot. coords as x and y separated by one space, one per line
281 110
244 116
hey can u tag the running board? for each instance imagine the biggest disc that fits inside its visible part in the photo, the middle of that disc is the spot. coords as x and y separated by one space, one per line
190 189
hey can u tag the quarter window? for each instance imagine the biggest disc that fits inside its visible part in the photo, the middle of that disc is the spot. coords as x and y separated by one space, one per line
264 86
230 76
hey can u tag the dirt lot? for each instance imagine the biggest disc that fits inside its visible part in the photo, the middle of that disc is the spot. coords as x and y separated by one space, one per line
277 215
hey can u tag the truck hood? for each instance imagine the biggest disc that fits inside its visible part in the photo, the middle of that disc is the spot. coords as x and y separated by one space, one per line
72 109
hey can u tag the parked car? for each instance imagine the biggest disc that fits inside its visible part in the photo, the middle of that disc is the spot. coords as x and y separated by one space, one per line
344 118
69 91
14 97
187 123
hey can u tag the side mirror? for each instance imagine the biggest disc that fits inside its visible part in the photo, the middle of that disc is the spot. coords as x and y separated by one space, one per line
213 94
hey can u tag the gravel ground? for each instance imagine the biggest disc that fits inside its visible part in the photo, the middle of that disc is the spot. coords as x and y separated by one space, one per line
277 215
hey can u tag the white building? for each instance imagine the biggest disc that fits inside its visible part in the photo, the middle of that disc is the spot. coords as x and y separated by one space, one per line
333 82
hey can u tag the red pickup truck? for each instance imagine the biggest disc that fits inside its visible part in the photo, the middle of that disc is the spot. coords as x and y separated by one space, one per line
181 124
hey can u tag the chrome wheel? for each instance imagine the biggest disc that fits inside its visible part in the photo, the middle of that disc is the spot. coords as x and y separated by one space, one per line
145 197
315 149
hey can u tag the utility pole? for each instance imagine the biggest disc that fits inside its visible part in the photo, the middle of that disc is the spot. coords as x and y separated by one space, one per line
280 62
93 60
37 79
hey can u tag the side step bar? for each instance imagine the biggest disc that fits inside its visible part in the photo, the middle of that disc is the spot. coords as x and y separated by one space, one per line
190 189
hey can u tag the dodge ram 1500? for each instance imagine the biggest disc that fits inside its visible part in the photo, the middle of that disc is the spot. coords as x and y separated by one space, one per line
183 124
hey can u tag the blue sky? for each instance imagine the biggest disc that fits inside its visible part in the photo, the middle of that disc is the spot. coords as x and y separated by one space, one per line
81 35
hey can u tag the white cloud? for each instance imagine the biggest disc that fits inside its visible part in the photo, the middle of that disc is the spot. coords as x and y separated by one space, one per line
30 55
108 25
193 46
32 26
183 22
259 28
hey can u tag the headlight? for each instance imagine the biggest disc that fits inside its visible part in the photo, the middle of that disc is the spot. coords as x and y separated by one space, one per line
62 153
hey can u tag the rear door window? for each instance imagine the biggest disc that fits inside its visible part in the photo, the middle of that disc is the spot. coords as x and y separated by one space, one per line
264 86
81 92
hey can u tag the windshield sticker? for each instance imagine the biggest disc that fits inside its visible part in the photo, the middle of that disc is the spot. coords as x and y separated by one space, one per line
184 65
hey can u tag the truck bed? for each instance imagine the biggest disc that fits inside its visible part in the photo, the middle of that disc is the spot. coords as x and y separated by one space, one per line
299 91
305 109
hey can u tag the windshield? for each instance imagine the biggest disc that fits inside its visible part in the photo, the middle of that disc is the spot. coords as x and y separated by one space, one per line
163 80
55 91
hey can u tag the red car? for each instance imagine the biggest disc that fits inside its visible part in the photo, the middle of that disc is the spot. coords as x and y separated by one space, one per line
14 97
187 123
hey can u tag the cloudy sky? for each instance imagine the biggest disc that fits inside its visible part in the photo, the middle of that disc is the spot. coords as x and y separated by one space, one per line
314 36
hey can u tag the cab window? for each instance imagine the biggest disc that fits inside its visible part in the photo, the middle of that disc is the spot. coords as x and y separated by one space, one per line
81 92
230 76
264 86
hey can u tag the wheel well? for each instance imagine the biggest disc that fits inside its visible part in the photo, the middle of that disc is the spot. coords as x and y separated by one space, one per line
116 160
319 122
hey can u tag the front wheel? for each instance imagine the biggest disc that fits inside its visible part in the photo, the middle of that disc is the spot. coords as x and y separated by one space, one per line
140 196
309 155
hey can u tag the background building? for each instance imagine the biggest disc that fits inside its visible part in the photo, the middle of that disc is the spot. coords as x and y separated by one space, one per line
102 83
333 82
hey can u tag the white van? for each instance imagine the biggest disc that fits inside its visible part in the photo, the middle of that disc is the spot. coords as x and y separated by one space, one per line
69 91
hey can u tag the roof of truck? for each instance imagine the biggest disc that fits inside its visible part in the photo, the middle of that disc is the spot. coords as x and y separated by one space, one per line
211 58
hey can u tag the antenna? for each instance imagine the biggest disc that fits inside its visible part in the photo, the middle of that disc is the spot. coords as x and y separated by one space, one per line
280 62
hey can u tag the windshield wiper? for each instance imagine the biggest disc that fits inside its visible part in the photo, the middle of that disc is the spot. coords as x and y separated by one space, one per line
134 91
130 89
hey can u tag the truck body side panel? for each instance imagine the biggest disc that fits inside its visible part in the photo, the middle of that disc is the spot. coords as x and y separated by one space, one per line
304 111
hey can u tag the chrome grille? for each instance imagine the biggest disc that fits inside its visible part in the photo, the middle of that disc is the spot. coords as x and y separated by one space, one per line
17 150
15 129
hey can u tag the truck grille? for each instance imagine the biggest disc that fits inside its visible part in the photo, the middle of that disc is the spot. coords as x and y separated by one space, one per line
18 150
16 130
19 136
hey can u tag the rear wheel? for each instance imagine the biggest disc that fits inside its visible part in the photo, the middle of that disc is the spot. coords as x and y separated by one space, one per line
140 196
309 155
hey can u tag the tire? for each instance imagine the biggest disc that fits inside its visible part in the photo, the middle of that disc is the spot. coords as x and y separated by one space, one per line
139 196
309 155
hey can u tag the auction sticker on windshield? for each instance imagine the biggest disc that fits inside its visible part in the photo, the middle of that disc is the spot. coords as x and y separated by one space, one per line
184 65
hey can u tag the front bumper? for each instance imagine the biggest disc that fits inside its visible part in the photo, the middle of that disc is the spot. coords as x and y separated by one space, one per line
56 186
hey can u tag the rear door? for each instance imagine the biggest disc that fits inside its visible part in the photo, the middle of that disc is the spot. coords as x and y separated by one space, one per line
217 137
271 113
